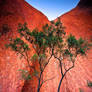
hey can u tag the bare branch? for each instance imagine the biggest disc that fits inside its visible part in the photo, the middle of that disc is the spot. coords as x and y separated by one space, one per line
60 64
47 62
27 58
64 66
69 69
47 80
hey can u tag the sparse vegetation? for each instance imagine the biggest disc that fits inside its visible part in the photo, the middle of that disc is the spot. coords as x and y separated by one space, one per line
81 90
52 41
89 84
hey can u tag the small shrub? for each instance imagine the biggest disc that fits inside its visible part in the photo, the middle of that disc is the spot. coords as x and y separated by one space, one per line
25 74
81 90
89 83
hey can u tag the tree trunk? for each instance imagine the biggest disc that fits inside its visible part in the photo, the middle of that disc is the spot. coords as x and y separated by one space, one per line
38 89
60 84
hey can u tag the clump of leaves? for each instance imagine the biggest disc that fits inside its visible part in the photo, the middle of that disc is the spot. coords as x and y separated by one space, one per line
89 83
80 45
35 73
34 57
53 39
58 22
67 52
42 56
72 41
81 90
18 45
25 74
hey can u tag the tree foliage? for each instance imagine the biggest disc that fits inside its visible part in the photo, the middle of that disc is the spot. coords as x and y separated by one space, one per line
52 40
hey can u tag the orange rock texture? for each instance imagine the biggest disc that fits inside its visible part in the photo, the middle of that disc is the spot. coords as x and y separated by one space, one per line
78 22
13 12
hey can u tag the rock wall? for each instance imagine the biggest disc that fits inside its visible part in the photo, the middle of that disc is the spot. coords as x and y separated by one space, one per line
13 12
85 3
79 22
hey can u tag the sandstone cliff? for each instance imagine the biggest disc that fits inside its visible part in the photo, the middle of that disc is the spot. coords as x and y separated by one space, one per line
79 22
13 12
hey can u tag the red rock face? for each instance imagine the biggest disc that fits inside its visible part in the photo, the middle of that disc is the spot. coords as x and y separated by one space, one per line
13 12
79 22
85 3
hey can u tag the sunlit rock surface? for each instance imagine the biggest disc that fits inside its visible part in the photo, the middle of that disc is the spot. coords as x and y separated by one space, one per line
13 12
78 22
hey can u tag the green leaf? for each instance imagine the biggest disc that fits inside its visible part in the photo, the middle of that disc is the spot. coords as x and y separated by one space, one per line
81 90
34 57
18 41
89 83
72 41
35 73
26 47
42 56
71 55
60 40
81 51
58 22
68 53
80 41
28 77
7 45
25 74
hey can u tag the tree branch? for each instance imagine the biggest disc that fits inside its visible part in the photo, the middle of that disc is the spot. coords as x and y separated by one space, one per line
47 80
60 64
31 67
69 68
47 62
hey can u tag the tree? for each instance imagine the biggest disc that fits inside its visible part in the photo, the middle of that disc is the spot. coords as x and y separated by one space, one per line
66 49
22 47
52 41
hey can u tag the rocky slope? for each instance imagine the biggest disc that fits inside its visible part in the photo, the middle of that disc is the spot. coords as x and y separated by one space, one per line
13 12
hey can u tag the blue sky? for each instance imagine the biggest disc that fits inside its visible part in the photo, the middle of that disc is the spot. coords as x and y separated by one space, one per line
53 8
